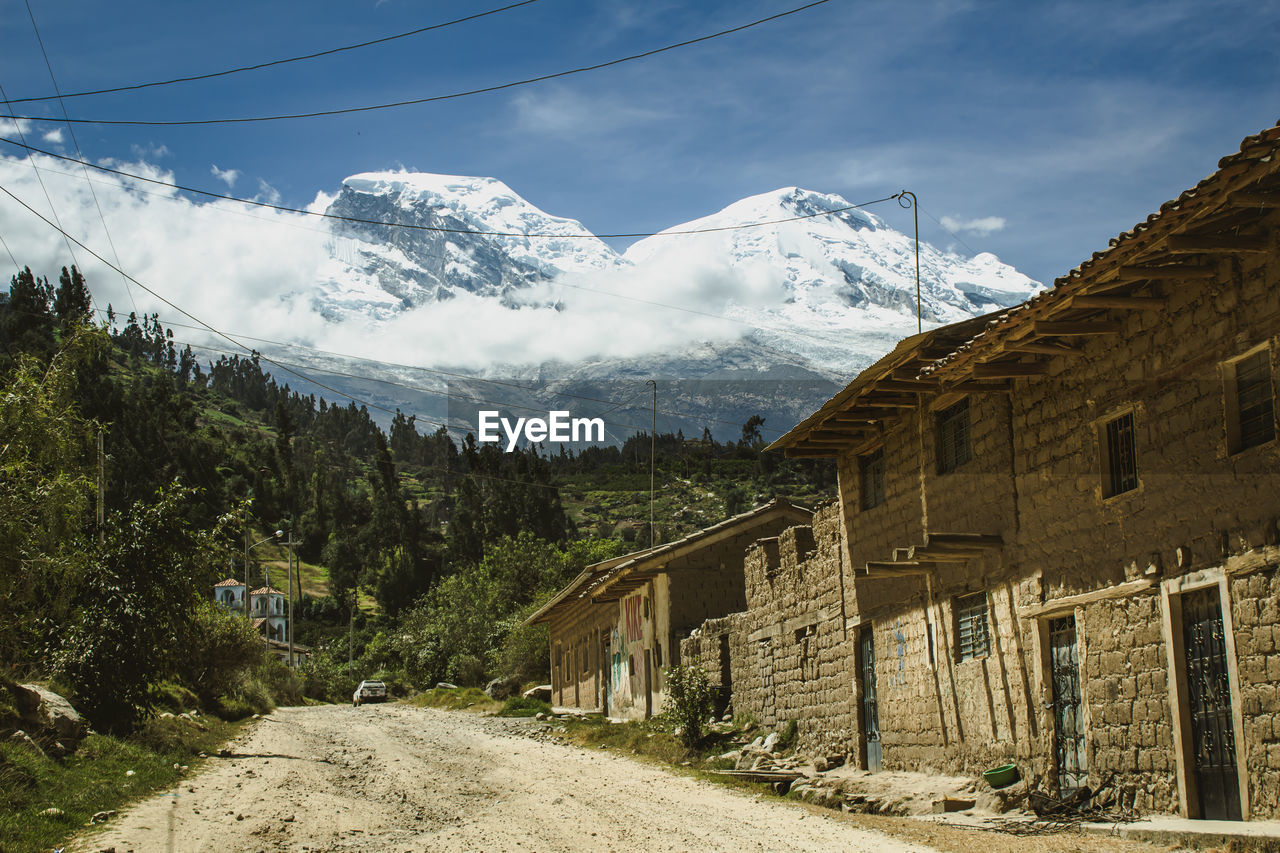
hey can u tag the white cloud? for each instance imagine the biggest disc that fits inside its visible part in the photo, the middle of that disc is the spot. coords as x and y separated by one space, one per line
227 176
982 226
54 136
267 193
564 113
150 151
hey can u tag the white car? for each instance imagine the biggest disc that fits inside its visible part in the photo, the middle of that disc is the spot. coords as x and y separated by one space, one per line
369 691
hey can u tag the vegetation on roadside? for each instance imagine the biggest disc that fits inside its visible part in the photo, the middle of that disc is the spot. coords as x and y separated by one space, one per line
455 699
47 800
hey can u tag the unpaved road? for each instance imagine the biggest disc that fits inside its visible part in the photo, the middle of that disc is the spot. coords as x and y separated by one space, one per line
398 778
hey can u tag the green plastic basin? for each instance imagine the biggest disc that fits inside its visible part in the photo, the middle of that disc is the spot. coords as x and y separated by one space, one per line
998 777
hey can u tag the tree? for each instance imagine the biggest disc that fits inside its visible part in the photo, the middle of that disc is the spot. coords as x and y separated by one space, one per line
71 303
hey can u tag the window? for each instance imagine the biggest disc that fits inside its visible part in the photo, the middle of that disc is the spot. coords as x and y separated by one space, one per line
954 448
871 471
1251 418
1120 457
972 637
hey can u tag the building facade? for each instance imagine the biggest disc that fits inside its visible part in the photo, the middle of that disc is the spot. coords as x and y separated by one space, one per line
1056 535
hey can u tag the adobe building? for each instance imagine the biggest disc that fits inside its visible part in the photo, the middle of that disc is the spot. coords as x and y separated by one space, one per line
618 625
1055 543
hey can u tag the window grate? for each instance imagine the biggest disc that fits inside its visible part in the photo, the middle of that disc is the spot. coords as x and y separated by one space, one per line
972 637
872 469
1122 459
1255 401
954 445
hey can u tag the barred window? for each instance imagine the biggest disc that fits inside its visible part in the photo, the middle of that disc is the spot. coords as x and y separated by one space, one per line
1254 403
972 636
1120 461
871 469
954 446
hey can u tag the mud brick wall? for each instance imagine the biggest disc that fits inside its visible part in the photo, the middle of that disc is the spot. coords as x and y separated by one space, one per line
577 633
1256 617
1124 673
1165 367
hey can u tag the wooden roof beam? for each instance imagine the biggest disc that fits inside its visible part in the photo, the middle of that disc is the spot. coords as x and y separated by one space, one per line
1121 303
1168 273
1045 348
982 541
1255 198
1068 328
1009 369
1187 243
885 569
809 453
907 385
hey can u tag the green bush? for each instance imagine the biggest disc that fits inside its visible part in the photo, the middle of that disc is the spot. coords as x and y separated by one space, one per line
688 702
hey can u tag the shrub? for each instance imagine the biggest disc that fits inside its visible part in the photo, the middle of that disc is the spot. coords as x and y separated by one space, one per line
688 702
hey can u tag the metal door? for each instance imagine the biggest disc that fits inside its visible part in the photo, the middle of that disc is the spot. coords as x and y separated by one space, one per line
1068 716
1212 730
870 706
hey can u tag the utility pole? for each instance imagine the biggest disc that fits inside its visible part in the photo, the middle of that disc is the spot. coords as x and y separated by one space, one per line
653 455
102 490
907 198
291 543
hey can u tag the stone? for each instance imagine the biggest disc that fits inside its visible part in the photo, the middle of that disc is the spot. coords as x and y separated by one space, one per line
48 711
770 743
501 688
541 693
445 685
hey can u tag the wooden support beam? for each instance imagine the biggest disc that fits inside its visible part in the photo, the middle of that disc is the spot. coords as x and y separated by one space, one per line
1009 369
935 555
874 403
1167 273
1046 348
1067 328
1068 603
1121 303
971 387
809 453
886 569
909 385
987 541
1215 243
1256 198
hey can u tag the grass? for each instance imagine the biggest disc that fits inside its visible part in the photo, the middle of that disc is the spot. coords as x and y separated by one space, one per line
519 706
96 778
460 699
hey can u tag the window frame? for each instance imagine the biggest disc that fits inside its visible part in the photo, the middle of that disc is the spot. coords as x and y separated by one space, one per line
948 424
1236 442
871 464
969 610
1116 481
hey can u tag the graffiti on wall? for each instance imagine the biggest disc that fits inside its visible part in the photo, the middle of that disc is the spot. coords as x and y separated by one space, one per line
634 619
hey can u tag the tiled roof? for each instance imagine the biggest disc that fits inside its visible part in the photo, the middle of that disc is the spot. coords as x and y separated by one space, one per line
227 582
266 591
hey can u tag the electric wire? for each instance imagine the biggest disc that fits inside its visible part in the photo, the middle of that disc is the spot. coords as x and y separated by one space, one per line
17 125
79 154
272 63
435 228
434 98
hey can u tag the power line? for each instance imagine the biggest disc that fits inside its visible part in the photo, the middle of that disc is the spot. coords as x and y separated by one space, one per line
17 125
436 228
483 90
71 129
271 63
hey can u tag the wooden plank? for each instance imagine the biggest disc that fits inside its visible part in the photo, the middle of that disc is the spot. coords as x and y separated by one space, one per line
1122 303
1009 369
1067 328
809 453
886 569
1046 348
1245 198
974 387
1070 602
971 540
1168 273
1216 243
909 385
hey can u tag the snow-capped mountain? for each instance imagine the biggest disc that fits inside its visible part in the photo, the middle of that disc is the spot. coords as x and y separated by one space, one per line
815 290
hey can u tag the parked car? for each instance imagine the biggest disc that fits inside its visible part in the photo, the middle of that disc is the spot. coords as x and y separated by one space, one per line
369 691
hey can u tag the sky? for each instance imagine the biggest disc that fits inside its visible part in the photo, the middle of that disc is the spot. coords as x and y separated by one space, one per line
1035 131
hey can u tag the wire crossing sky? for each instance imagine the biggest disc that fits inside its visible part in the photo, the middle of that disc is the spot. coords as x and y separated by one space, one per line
1032 131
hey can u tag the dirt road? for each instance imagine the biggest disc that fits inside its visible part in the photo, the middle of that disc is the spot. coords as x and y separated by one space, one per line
398 778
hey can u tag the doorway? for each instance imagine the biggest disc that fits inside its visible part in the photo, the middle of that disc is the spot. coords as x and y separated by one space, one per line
870 703
1068 710
1210 708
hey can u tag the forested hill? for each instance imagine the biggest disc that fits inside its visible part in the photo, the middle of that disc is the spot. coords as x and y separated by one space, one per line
385 520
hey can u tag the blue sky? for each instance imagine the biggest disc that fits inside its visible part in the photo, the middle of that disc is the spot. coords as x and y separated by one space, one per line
1037 130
